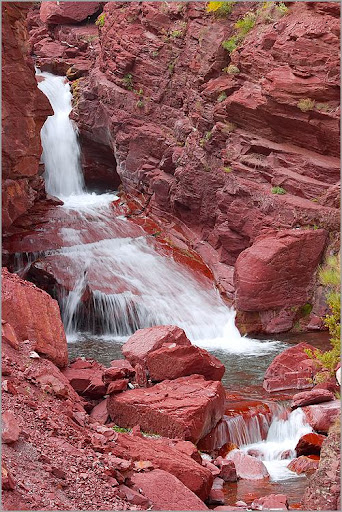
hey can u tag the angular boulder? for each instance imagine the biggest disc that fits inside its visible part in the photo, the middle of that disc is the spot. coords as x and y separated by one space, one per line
119 369
144 341
271 502
10 428
321 416
292 369
34 315
248 467
85 376
314 396
186 408
310 444
166 492
164 456
100 413
55 13
304 464
172 361
278 269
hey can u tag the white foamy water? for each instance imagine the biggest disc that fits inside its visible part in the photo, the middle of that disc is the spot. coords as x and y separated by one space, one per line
278 449
120 282
61 152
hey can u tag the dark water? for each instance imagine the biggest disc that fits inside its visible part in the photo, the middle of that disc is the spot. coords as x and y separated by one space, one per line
244 373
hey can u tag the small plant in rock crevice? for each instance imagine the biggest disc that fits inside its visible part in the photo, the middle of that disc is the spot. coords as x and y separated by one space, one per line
231 70
306 104
220 9
243 26
101 20
127 81
222 97
278 190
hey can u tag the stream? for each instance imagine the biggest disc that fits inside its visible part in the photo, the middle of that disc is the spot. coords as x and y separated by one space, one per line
115 281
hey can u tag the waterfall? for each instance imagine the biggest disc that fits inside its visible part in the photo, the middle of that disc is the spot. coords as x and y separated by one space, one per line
61 152
278 448
120 281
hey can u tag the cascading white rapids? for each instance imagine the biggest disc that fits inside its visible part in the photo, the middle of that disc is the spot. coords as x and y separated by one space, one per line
132 286
61 152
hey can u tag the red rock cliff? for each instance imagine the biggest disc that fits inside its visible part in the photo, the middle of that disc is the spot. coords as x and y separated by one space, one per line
24 110
230 146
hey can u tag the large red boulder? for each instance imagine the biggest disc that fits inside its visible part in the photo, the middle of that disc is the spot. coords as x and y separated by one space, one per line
166 492
186 408
172 361
322 416
144 341
34 315
292 369
248 467
314 396
55 13
271 502
310 444
304 464
164 456
85 376
277 270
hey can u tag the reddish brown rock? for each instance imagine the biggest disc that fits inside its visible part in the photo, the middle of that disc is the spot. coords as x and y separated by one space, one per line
8 334
118 369
289 370
166 492
323 491
322 416
134 496
144 341
186 408
140 378
56 13
166 457
227 469
303 464
271 502
34 315
22 118
86 378
10 428
315 396
277 270
248 467
216 495
100 412
172 361
117 386
310 444
7 481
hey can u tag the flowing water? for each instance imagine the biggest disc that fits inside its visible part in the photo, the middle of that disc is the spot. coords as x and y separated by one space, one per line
115 282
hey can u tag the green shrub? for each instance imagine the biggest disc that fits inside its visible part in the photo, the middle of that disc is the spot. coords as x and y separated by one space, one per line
222 97
245 24
140 103
278 190
306 104
121 430
227 169
100 20
330 277
232 70
220 9
230 44
281 8
128 81
176 33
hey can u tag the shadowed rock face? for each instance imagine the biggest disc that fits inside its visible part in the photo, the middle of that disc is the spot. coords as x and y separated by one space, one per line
24 110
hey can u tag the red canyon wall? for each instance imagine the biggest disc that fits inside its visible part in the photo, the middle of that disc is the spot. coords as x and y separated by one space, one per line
238 151
24 110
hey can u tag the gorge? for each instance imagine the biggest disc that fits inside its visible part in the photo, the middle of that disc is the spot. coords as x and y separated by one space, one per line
176 207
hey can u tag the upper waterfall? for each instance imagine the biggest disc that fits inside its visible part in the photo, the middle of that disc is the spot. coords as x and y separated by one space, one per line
63 172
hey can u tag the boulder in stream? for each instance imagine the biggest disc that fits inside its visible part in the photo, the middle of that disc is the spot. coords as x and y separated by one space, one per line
314 396
248 467
186 408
